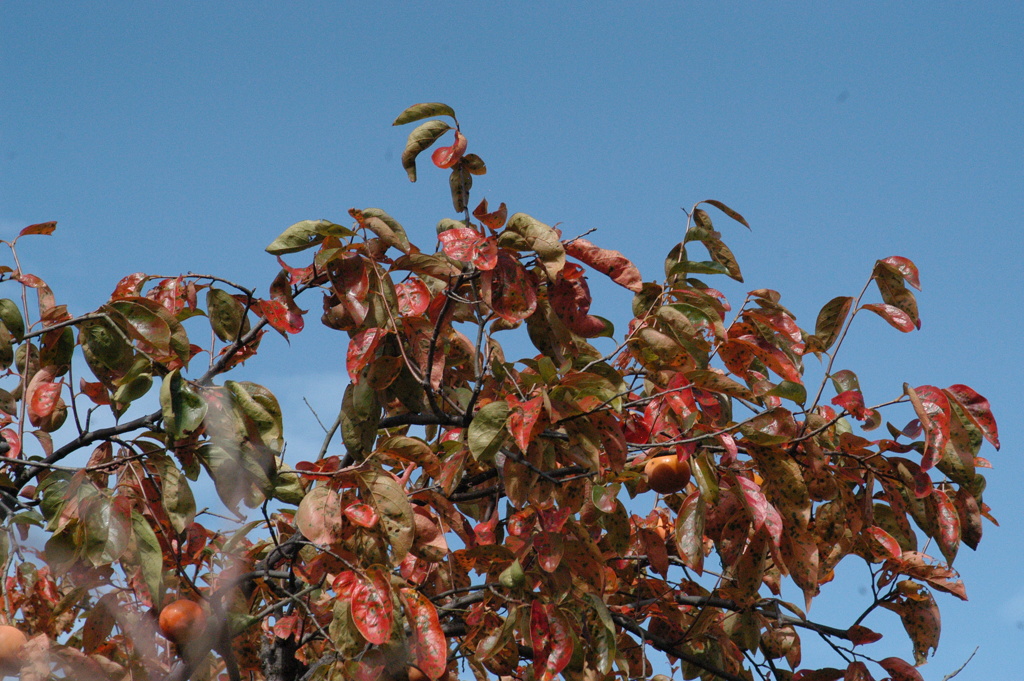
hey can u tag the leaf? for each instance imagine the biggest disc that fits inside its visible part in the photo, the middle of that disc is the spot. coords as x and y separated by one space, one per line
611 263
900 670
948 522
446 157
392 505
387 229
728 211
306 234
889 279
227 315
175 494
716 382
319 516
421 138
486 433
905 267
361 351
182 407
372 610
150 556
884 545
896 317
428 644
418 112
41 228
689 532
857 671
493 221
978 411
11 317
509 289
413 297
468 245
830 322
542 240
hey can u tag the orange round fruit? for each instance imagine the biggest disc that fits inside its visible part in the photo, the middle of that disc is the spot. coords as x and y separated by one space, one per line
182 621
667 474
12 639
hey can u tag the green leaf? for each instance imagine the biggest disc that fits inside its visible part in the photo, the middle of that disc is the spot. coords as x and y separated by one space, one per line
149 555
183 408
487 430
227 315
395 235
259 404
305 234
10 315
728 211
788 390
830 321
681 269
542 240
418 112
392 505
175 493
419 139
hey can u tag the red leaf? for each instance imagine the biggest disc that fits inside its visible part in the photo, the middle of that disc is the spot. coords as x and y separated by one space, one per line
762 513
900 670
949 525
883 544
297 275
278 316
43 397
907 268
896 317
523 421
13 441
371 607
860 635
361 514
289 626
361 349
826 674
549 549
413 297
428 644
494 220
469 245
130 286
853 402
509 289
570 299
857 671
561 646
446 157
41 228
281 291
978 411
94 391
611 263
932 407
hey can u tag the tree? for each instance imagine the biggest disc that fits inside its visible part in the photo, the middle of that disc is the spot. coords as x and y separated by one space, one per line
488 516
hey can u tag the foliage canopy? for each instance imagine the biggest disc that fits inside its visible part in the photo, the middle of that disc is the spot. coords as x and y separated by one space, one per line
488 516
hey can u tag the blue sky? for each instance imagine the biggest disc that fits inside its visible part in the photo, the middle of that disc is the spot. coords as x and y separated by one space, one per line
174 137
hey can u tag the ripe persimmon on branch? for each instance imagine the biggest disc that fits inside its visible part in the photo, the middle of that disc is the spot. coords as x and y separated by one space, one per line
564 514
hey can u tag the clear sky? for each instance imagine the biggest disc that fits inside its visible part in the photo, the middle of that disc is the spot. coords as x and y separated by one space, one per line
169 137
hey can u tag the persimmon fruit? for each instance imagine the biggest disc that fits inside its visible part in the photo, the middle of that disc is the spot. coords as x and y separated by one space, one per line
12 639
667 474
182 621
